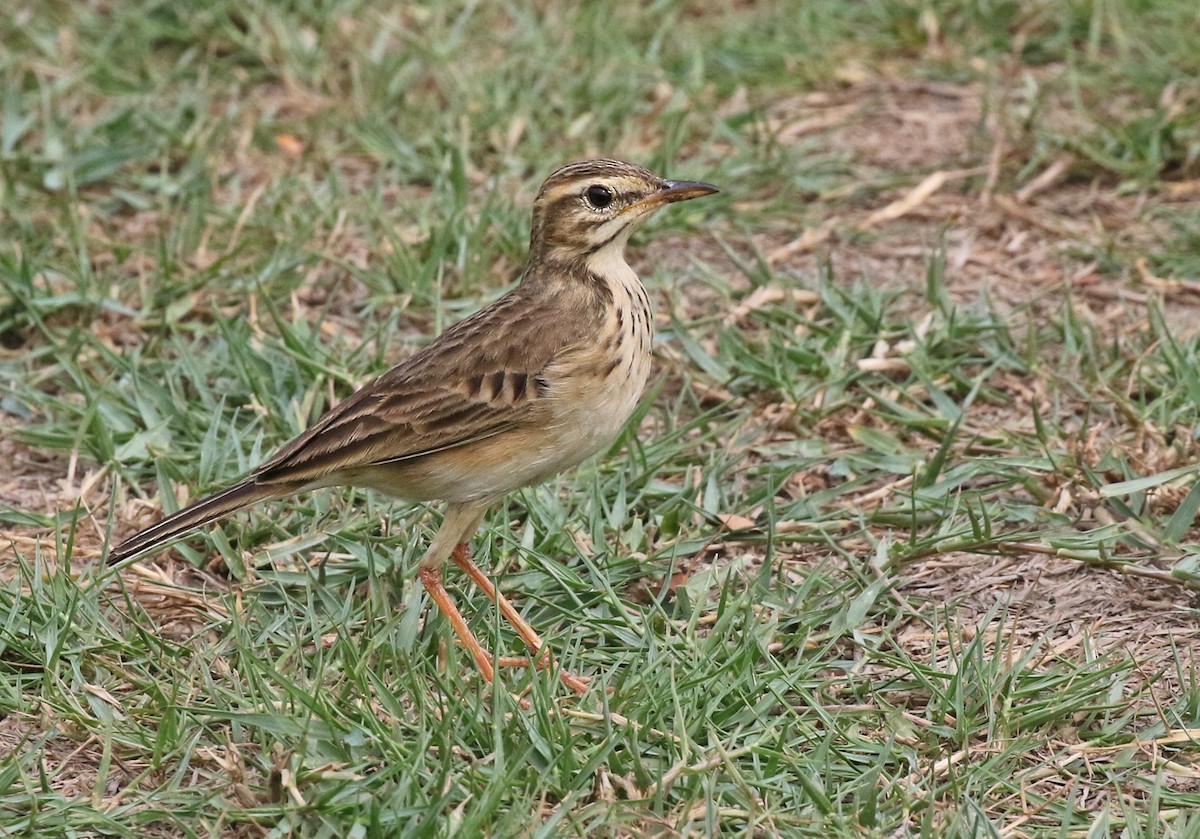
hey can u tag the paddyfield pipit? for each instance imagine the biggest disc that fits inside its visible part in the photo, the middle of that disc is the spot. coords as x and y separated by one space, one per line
531 385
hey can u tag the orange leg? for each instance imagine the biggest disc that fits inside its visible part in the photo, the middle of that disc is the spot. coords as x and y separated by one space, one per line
541 652
431 578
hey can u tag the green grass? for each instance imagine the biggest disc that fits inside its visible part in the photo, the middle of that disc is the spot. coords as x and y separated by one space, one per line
181 292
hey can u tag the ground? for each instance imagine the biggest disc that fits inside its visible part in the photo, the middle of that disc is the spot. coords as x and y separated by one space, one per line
903 541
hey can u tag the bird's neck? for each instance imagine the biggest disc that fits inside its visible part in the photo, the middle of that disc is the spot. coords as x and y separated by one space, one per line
627 301
601 282
609 267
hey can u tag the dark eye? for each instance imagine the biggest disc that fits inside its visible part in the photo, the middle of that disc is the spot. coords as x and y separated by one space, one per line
598 196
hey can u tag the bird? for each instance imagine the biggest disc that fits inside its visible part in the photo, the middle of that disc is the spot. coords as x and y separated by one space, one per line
525 388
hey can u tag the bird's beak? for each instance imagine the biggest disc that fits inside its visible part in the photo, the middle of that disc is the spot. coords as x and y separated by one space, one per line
669 193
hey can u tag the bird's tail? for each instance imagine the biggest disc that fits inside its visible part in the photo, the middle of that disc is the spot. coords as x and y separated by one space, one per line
194 515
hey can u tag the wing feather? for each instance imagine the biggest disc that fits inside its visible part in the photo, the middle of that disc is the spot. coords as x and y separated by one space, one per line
471 383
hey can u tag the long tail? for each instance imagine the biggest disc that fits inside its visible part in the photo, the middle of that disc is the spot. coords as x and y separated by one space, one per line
194 515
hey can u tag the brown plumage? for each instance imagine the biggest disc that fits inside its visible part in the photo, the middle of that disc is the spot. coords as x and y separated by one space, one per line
527 387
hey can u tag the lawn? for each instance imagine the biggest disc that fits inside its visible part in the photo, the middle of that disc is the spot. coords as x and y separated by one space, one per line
902 540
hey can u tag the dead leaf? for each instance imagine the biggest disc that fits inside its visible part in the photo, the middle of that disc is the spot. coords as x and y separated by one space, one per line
289 144
903 206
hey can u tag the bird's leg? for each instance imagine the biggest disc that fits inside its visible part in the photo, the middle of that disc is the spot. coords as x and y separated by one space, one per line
462 558
459 523
541 651
431 578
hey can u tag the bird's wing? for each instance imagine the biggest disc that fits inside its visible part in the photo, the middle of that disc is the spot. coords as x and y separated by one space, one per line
481 377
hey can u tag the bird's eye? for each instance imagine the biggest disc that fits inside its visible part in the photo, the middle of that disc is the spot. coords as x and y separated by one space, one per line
598 196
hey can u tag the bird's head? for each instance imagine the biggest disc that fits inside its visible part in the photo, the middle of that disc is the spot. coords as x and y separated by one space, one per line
586 207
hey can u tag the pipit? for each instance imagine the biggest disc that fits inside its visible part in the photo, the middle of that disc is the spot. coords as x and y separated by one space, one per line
527 387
